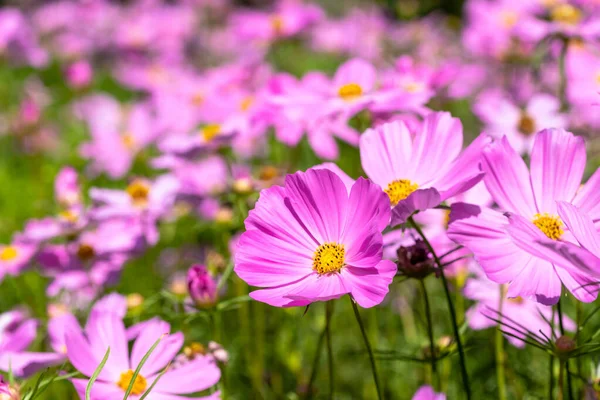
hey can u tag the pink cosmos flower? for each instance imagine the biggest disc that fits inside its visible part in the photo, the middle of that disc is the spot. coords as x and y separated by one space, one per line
313 240
17 333
518 315
79 74
557 165
502 117
15 258
428 393
418 171
86 348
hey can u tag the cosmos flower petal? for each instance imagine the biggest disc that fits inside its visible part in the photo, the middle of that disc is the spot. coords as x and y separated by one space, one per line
420 199
106 330
100 390
557 165
483 231
385 153
264 260
80 353
25 364
537 281
348 182
584 287
581 226
319 198
185 379
587 198
362 214
320 287
277 296
167 348
507 178
371 292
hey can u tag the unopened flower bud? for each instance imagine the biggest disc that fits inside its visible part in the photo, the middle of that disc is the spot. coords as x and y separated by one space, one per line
565 344
415 261
201 286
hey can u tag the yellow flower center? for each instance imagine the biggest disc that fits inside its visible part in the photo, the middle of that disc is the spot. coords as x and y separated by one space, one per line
246 103
413 87
197 99
516 300
598 78
138 190
69 216
566 14
277 24
85 252
509 18
209 132
193 350
329 258
400 189
526 124
139 386
350 91
9 253
128 140
134 300
550 225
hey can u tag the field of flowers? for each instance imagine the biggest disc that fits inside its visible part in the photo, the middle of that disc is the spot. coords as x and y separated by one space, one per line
206 199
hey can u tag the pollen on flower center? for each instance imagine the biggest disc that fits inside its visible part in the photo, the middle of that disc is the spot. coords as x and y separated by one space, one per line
85 252
139 386
509 18
526 124
550 225
566 13
9 253
400 189
139 191
193 350
516 300
277 24
210 131
128 140
246 103
350 91
329 258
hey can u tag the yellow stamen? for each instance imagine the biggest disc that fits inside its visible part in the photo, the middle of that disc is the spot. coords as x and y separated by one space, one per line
268 173
197 99
277 24
139 386
566 14
526 124
516 300
413 87
209 132
329 258
550 225
85 252
128 140
193 350
134 300
400 189
509 18
139 191
350 91
69 216
598 78
246 103
9 253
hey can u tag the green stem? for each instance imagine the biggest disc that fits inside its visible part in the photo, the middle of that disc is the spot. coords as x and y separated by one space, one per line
562 70
551 378
566 362
368 346
461 352
328 313
500 356
432 352
315 364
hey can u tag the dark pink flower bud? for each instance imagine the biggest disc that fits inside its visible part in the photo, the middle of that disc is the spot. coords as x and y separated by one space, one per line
201 286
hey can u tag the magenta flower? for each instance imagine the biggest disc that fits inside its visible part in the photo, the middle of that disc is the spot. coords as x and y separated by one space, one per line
422 170
428 393
313 240
17 333
517 314
15 258
202 287
86 348
557 165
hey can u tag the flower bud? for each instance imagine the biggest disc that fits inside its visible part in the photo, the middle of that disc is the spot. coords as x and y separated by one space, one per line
415 261
201 286
565 344
7 392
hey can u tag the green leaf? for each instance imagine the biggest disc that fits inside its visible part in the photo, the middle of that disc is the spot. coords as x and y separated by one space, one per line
155 382
227 304
140 365
94 376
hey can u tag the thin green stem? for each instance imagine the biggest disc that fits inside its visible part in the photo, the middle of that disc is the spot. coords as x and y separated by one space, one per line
461 352
368 346
566 362
432 352
562 72
551 378
315 364
328 313
500 356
